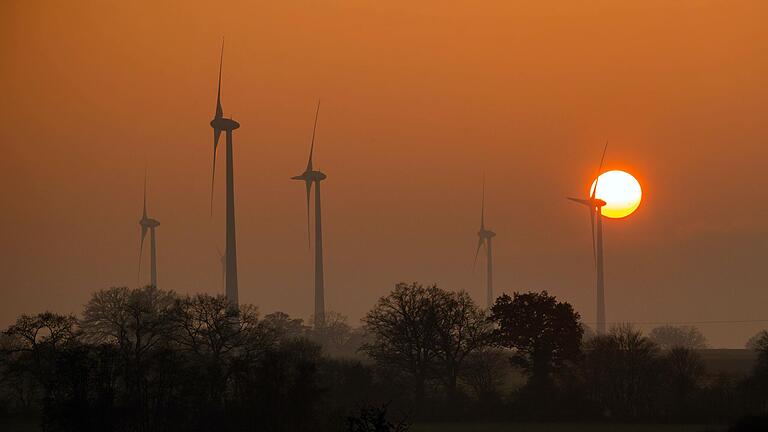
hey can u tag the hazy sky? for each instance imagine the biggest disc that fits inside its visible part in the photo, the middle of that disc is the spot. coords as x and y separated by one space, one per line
418 102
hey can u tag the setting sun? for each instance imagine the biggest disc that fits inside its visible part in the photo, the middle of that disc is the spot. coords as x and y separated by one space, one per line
621 192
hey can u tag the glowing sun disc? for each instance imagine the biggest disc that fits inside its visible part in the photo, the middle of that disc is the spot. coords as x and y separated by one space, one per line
620 191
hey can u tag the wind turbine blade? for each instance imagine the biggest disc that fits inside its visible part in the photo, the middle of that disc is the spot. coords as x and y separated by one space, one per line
144 213
482 207
599 170
219 110
580 201
602 158
480 242
141 249
216 136
309 190
143 234
314 129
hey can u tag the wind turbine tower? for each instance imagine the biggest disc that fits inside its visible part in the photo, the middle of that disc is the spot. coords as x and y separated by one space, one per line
485 237
311 176
595 206
148 224
221 124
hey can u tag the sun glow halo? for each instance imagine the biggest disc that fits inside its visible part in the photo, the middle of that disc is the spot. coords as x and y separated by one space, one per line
621 192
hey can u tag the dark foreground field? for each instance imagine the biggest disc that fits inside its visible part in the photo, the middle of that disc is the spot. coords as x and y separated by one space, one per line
16 424
560 427
28 425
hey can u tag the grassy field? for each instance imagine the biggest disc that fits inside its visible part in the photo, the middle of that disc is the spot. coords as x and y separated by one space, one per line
559 427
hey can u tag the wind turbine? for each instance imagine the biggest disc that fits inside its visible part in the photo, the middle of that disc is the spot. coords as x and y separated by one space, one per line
222 124
147 223
595 206
485 237
310 176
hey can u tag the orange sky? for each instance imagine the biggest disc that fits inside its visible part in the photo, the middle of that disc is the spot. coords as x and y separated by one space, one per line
418 102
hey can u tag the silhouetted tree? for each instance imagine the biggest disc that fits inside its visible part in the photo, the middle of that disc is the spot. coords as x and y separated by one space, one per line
17 389
668 337
283 326
758 341
217 336
134 319
462 329
720 400
280 390
138 322
34 341
35 345
622 373
588 334
545 334
426 332
147 360
336 336
403 330
348 384
484 373
684 372
755 387
46 329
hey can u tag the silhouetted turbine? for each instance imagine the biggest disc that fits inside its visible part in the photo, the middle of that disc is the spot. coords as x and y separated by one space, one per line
147 223
485 237
219 124
310 176
595 206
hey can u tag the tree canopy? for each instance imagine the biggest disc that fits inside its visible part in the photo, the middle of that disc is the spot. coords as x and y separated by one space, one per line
545 334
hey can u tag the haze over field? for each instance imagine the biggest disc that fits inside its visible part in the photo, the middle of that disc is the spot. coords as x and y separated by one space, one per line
418 102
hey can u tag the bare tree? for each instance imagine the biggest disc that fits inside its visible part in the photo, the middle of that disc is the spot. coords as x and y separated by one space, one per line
30 353
427 332
137 322
47 329
668 337
209 326
462 329
402 328
134 319
219 337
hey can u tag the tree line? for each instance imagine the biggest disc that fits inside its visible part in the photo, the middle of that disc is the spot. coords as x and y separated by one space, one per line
145 359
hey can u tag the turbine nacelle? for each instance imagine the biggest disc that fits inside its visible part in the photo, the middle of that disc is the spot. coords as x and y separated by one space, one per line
310 176
589 202
224 124
486 234
149 223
